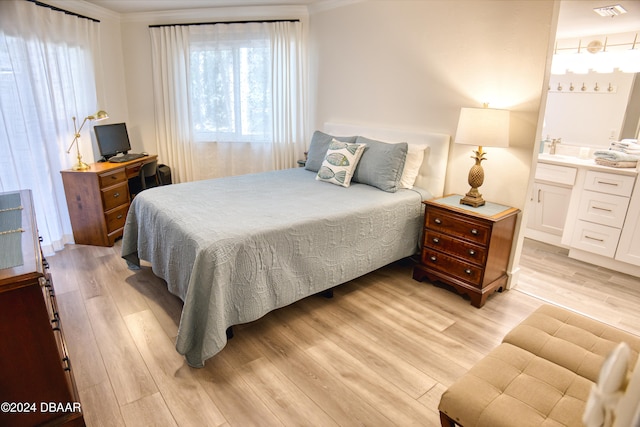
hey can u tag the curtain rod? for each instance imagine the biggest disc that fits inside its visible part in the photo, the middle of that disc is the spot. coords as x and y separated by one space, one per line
57 9
225 22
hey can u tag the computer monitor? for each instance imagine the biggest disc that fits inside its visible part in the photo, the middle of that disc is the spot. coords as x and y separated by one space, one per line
112 139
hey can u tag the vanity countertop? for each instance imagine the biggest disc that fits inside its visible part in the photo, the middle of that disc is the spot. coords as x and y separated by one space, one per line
564 160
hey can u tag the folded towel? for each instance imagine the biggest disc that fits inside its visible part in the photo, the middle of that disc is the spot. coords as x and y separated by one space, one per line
615 156
614 164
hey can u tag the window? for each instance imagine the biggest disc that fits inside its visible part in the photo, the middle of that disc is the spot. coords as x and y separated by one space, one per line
230 85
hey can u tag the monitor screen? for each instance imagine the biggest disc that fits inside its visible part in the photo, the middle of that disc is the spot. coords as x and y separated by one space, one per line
112 139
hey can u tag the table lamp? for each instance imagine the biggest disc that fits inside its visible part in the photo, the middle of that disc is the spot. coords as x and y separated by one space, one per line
484 127
80 165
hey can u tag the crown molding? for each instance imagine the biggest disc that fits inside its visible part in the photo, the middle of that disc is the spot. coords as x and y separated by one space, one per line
325 5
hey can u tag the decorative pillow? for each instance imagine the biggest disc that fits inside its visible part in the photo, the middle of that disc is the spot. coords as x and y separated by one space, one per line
415 156
381 165
340 162
606 392
318 148
628 408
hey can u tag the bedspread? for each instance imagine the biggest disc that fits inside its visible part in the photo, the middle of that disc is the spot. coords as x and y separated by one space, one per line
236 248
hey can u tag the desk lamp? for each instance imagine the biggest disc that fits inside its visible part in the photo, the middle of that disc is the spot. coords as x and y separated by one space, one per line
484 127
81 166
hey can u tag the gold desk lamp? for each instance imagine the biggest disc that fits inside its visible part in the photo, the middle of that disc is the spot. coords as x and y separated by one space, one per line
80 165
484 127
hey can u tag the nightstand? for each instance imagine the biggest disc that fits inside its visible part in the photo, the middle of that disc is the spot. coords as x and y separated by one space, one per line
465 247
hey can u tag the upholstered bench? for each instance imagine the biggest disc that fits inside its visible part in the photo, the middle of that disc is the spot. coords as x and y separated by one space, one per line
541 375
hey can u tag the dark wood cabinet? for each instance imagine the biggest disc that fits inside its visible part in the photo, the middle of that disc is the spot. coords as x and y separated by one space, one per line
36 381
98 200
465 247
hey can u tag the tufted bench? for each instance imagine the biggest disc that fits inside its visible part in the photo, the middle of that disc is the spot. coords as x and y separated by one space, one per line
541 374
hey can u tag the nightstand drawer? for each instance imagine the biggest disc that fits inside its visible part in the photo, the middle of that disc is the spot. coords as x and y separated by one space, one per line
457 225
112 178
452 266
115 196
467 251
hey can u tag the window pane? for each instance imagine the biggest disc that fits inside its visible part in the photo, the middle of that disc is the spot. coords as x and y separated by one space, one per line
231 91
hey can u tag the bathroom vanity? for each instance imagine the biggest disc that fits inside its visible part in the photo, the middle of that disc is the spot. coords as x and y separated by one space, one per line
592 210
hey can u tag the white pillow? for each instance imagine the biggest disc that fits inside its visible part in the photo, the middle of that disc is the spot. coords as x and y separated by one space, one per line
340 162
606 392
415 156
628 408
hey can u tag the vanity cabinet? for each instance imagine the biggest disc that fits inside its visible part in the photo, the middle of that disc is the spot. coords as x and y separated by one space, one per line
602 210
590 209
549 202
629 245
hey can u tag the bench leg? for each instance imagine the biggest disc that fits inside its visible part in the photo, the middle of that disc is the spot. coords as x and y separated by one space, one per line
445 421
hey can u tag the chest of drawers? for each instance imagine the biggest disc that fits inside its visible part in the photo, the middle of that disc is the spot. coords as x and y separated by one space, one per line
98 200
466 248
36 381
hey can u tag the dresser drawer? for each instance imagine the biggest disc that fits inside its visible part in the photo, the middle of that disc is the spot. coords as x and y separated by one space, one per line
115 196
461 226
605 209
112 178
116 218
452 246
595 238
452 267
609 183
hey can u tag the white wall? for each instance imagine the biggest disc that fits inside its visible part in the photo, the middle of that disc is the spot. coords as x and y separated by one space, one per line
414 64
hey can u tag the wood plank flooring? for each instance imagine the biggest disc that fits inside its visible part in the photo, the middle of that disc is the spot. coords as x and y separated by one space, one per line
379 353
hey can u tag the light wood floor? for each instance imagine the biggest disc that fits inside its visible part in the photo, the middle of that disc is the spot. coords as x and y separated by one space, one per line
379 353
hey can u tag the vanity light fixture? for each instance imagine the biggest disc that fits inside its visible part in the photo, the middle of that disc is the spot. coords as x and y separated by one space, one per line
484 127
80 165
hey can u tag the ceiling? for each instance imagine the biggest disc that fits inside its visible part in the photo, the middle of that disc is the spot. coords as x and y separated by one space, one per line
131 6
577 18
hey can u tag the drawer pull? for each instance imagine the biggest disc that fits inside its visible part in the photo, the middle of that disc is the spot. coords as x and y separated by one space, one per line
608 183
472 252
474 231
67 363
467 271
116 195
45 263
602 209
594 238
437 221
114 177
119 216
435 240
433 258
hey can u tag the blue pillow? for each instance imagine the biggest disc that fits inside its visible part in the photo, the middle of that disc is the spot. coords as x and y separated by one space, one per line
318 149
381 164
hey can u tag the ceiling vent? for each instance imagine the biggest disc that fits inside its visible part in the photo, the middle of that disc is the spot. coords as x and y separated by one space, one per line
610 10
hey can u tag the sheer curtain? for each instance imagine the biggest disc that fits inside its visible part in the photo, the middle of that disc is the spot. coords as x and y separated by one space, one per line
239 87
46 77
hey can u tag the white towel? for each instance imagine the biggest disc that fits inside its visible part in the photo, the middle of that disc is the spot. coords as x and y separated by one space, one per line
616 156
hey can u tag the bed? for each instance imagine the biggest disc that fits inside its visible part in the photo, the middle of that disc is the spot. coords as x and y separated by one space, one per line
234 249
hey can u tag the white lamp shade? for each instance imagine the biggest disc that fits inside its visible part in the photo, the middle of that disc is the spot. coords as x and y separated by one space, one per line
485 127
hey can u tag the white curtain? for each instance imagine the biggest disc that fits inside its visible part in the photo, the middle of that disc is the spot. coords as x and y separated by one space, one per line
253 124
170 47
46 77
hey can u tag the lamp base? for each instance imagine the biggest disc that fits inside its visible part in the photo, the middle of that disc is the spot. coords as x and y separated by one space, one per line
81 166
472 198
